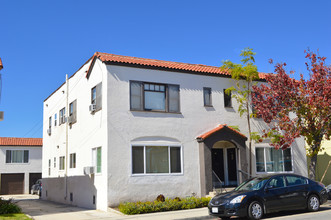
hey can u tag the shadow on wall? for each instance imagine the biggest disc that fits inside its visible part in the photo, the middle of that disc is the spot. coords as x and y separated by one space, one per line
80 191
322 164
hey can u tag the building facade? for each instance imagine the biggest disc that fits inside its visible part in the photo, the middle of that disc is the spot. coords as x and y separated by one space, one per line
127 129
21 161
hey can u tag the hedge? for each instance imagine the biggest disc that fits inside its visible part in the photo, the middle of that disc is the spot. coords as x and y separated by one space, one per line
132 208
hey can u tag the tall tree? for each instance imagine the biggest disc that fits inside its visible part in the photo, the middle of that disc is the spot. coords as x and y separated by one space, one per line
243 75
294 108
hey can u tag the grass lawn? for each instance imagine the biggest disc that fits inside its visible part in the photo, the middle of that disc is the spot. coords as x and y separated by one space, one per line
18 216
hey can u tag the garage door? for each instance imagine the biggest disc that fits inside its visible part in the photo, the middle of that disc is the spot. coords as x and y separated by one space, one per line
33 177
12 183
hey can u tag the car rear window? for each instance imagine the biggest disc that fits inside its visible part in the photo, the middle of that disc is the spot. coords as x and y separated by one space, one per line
295 180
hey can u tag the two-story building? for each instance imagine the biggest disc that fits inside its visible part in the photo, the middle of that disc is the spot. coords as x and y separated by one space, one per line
20 160
127 129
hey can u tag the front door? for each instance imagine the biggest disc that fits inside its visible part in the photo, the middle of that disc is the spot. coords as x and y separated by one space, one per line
218 167
232 166
224 165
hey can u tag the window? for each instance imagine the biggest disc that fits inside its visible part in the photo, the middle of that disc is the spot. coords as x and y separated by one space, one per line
227 99
207 96
49 167
73 160
55 119
17 156
50 122
154 97
62 163
276 182
271 160
96 96
62 116
96 159
73 112
296 180
54 162
156 159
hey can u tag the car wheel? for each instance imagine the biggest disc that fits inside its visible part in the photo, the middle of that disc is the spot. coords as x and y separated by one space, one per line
313 203
255 210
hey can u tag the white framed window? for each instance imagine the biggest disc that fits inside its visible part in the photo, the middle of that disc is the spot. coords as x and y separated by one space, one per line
62 114
73 160
96 159
207 101
61 163
17 156
156 159
269 159
227 99
54 162
55 119
147 96
49 167
96 96
50 122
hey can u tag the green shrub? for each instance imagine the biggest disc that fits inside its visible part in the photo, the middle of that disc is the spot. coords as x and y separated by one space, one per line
8 207
160 198
132 208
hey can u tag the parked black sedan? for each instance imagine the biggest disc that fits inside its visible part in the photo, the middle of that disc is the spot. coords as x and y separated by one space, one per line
272 193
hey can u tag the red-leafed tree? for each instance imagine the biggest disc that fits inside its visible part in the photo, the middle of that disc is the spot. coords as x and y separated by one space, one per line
294 108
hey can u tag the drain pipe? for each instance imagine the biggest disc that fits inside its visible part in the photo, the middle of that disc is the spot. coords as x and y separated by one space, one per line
67 126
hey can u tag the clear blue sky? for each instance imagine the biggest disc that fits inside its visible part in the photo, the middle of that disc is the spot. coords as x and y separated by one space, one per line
41 41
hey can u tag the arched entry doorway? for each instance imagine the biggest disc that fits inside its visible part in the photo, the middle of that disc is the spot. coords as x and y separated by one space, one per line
222 149
224 164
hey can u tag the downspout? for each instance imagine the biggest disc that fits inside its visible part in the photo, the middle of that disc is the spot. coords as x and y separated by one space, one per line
67 126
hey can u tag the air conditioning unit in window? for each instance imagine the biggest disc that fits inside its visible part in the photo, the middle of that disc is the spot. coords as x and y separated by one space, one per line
89 170
92 108
49 131
70 120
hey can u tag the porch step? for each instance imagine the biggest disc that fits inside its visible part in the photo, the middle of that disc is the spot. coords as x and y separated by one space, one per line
220 191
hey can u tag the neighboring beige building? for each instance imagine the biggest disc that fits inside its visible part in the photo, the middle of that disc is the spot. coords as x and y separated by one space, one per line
323 159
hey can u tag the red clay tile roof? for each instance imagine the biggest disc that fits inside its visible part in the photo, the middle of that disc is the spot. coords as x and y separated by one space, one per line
199 68
1 66
218 128
8 141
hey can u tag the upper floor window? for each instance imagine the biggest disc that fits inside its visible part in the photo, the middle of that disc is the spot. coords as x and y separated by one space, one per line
154 97
96 96
269 159
227 99
50 122
17 156
55 119
207 96
73 112
62 114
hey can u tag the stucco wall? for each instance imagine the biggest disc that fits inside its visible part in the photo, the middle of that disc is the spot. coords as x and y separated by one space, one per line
194 119
87 133
33 166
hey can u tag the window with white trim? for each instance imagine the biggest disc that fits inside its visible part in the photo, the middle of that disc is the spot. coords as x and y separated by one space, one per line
73 160
207 97
147 96
62 114
156 159
96 159
61 163
17 156
269 159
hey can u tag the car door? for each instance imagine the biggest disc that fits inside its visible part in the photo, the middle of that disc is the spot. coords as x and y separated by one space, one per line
296 194
274 193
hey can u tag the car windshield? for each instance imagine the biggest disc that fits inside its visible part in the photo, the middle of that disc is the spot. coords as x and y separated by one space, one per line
252 184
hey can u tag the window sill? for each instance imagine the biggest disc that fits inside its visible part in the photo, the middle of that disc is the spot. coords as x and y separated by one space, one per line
208 106
156 174
146 111
230 107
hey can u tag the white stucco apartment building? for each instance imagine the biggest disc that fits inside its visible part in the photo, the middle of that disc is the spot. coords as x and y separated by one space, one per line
20 160
137 128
